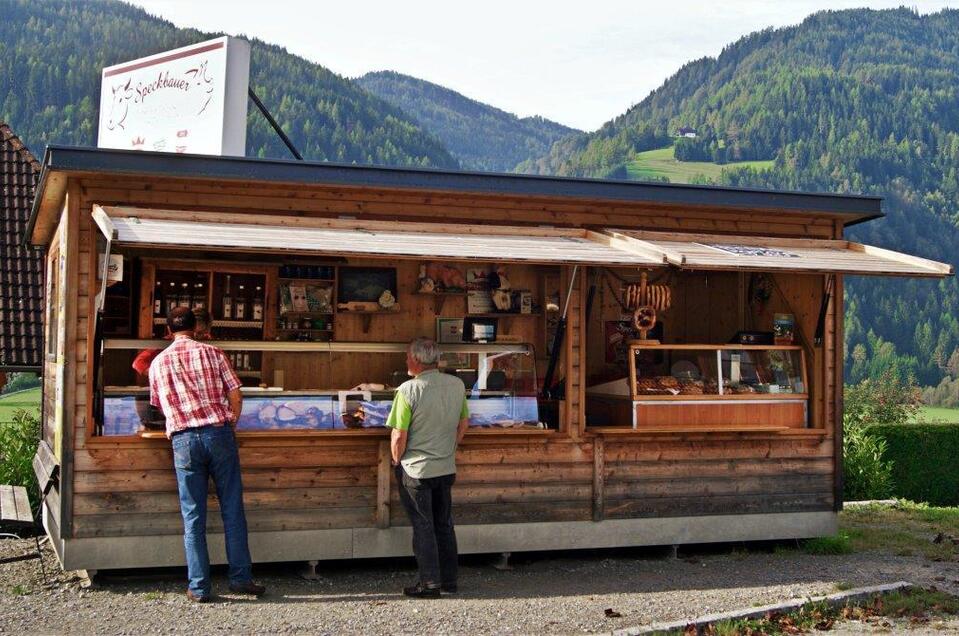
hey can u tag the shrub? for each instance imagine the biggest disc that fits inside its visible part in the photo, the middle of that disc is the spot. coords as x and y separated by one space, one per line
924 460
883 400
866 474
18 445
20 381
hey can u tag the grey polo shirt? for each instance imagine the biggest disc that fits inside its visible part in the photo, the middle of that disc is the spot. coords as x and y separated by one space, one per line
429 407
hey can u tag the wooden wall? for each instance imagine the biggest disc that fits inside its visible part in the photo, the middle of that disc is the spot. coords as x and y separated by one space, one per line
343 481
417 317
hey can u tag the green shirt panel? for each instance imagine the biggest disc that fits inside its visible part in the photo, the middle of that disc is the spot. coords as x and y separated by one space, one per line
400 414
436 403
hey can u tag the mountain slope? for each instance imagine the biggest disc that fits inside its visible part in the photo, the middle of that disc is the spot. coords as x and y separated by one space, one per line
849 101
51 54
481 137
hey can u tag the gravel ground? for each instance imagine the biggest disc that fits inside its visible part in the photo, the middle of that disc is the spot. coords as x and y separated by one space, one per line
558 592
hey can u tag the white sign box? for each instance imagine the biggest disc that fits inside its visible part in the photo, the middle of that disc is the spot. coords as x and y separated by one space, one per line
188 100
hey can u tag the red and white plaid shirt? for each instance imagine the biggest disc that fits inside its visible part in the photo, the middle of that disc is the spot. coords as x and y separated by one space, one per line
190 381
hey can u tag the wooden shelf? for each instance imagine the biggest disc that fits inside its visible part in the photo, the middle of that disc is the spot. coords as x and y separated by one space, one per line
627 430
238 324
504 315
462 293
347 347
311 313
249 374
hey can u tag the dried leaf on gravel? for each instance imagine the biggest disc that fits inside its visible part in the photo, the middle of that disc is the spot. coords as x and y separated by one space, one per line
825 625
611 613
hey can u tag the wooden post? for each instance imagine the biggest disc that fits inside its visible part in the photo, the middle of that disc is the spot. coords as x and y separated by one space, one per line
599 479
836 424
384 469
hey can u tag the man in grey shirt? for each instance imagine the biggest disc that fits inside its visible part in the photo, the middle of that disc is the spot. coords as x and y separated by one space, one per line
429 418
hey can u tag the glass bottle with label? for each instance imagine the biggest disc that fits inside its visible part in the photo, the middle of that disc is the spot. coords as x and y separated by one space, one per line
199 297
227 301
239 304
158 299
258 304
171 300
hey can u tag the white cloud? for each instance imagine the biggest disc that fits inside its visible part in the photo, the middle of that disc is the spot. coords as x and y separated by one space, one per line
579 63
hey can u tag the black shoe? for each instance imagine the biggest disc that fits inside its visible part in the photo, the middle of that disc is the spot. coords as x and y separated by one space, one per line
449 588
248 588
197 598
421 591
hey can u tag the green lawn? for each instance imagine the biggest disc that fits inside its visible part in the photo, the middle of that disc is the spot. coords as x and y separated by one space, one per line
661 163
27 400
938 413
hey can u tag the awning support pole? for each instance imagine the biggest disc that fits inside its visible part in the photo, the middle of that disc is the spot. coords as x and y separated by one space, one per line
558 338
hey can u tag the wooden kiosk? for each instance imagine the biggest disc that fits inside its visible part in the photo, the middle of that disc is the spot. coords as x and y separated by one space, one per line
316 275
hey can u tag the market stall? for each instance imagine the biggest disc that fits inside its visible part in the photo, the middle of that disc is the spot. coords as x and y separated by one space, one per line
695 378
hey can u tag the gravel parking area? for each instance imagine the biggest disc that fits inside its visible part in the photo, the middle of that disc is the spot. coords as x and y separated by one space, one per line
557 592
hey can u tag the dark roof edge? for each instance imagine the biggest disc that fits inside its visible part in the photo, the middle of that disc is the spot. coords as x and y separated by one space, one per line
21 368
84 159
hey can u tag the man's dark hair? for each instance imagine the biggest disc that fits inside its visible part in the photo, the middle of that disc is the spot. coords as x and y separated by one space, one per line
181 319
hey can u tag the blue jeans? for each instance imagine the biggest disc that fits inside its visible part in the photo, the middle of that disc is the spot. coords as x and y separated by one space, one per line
199 454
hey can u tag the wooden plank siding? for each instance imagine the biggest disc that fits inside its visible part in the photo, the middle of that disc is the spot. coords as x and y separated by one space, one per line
373 204
129 489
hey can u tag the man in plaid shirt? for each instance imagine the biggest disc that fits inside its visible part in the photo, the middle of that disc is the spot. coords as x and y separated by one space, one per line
199 393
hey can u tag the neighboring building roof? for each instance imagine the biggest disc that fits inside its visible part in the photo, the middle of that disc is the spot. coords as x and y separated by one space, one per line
21 268
64 159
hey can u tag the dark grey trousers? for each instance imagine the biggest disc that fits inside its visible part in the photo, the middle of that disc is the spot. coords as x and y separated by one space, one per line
429 505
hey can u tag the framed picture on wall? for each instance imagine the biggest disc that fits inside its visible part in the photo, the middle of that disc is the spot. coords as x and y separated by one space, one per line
449 330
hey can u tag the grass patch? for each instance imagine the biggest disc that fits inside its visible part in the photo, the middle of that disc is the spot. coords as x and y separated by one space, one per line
936 414
839 544
153 596
20 590
661 163
26 400
905 529
917 605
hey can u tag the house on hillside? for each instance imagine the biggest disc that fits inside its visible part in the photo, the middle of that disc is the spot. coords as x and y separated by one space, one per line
21 268
686 131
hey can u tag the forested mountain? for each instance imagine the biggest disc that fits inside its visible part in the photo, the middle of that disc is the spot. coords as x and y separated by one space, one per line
51 54
480 136
850 101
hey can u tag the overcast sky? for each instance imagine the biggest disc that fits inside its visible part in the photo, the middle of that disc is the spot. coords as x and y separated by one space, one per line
578 62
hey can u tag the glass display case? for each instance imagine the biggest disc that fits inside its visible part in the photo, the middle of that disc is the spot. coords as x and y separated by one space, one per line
355 384
688 387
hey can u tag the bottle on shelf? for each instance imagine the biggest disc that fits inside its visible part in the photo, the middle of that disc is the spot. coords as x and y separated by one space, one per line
199 296
257 313
158 300
171 300
245 363
239 304
227 301
186 298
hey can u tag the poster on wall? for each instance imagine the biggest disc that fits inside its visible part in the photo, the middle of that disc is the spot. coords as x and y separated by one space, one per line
188 100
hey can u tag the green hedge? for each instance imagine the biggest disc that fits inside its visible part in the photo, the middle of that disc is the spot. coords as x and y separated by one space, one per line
925 461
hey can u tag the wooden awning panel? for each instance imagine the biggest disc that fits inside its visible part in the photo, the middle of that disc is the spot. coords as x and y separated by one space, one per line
750 253
260 233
